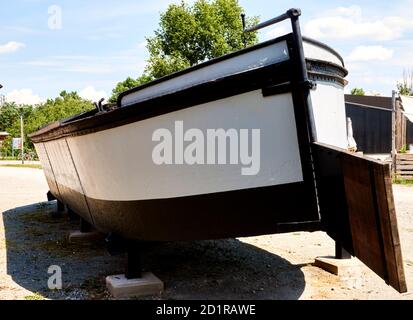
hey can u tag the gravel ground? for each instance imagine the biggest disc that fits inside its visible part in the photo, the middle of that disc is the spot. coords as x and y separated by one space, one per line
266 267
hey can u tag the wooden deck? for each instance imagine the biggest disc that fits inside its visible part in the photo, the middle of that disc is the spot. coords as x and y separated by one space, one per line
404 166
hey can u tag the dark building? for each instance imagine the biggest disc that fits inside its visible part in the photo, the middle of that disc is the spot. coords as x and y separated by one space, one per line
372 123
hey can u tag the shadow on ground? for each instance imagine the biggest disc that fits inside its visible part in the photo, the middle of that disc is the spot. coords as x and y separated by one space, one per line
225 269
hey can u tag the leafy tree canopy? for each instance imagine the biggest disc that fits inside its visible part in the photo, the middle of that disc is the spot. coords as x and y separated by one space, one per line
357 92
9 113
129 83
406 86
404 89
65 105
191 34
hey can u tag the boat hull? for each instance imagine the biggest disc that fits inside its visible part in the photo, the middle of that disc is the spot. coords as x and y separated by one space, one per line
102 167
110 179
239 213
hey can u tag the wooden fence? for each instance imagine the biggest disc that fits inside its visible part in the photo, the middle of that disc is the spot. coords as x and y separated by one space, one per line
372 124
404 166
371 128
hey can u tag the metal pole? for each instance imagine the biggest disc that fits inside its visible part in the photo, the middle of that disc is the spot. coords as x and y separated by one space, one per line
275 20
294 15
393 131
341 253
22 135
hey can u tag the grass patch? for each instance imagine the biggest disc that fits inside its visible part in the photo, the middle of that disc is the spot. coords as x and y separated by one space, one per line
403 181
36 296
31 166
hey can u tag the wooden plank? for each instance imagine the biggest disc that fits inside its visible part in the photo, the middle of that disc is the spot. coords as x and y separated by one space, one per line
389 228
372 217
405 172
361 209
357 209
403 164
405 157
405 167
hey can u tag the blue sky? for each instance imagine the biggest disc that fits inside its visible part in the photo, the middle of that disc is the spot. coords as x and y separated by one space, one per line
102 42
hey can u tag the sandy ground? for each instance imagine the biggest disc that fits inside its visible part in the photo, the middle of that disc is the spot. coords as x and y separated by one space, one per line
266 267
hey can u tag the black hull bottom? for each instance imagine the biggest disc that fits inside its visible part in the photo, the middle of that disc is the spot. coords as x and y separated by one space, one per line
230 214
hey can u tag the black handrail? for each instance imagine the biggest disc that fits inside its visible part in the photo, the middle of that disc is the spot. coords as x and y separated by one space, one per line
292 14
301 66
288 15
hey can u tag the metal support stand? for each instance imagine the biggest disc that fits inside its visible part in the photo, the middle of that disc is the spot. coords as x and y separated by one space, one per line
133 263
72 215
60 206
85 226
341 253
50 196
134 283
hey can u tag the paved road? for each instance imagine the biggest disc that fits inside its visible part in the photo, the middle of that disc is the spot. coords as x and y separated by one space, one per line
267 267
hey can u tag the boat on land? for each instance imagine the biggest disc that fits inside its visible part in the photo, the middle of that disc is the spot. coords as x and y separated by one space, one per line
104 164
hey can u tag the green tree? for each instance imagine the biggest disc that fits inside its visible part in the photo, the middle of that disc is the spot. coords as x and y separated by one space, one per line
9 113
357 92
10 122
129 83
406 86
190 34
65 105
404 89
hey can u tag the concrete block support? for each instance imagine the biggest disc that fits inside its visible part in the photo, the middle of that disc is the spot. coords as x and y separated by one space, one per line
78 237
121 287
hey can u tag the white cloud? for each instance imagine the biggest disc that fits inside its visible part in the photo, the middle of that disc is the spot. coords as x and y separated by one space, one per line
11 47
351 11
349 22
23 96
369 53
90 93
